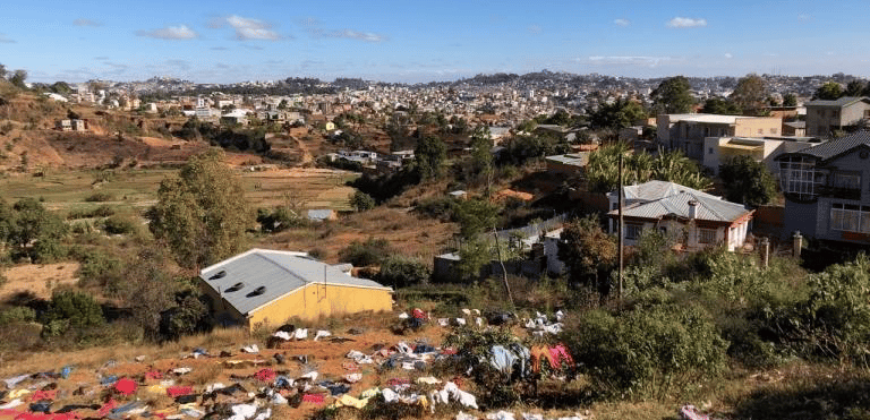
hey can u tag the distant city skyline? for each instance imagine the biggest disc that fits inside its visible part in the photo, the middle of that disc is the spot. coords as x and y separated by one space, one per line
224 42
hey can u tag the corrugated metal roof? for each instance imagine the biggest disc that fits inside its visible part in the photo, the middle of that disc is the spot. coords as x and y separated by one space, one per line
837 147
709 208
279 272
656 190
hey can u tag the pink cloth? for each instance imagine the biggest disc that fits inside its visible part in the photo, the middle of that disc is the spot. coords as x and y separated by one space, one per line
126 386
44 395
177 391
313 398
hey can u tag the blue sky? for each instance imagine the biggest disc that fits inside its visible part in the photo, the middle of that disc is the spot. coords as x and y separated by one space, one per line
414 41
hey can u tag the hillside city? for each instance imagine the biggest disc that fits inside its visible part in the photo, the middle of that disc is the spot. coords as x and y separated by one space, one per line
374 226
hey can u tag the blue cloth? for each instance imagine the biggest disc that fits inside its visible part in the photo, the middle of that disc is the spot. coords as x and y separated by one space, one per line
64 373
109 380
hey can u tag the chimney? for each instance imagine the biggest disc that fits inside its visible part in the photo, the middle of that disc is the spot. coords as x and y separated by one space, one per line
693 209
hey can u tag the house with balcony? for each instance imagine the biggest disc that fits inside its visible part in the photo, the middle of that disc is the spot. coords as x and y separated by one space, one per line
697 220
825 117
827 190
718 150
688 131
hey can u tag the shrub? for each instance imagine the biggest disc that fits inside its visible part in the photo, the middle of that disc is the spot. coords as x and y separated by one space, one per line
69 309
362 201
48 250
363 254
101 211
119 225
441 208
638 351
100 268
280 219
99 197
17 314
399 271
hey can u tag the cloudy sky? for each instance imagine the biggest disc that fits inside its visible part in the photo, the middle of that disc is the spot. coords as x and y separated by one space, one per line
414 41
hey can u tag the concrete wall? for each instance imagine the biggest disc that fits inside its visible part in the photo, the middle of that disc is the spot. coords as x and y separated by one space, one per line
749 127
316 300
821 120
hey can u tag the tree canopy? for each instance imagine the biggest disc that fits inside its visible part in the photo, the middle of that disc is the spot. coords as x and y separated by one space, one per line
829 91
587 251
603 168
789 99
721 106
751 95
430 155
202 213
747 181
620 114
673 96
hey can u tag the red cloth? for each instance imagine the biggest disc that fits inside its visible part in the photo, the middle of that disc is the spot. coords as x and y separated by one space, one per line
313 398
418 313
41 416
107 408
177 391
153 375
126 386
265 375
44 395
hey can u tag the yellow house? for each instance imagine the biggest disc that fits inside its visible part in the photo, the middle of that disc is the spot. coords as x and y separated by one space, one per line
268 287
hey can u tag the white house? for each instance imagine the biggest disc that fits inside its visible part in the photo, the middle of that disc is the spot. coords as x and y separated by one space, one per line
699 220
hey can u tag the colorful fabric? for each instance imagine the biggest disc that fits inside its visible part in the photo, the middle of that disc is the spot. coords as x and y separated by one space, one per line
313 398
265 375
538 354
176 391
153 375
126 386
44 396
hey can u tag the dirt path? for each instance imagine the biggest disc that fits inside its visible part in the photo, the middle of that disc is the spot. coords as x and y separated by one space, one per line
307 157
39 280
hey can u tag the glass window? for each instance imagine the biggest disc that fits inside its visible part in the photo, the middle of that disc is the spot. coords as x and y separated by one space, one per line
707 236
850 218
632 230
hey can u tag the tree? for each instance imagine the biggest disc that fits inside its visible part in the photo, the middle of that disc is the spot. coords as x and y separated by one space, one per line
673 96
747 181
430 155
202 213
400 271
362 201
789 100
2 71
35 232
283 104
75 309
855 88
721 106
751 95
829 91
18 78
588 252
603 174
476 216
620 114
482 162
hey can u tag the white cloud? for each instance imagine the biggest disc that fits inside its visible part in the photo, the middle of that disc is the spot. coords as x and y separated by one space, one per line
6 40
635 60
682 22
248 29
361 36
86 22
729 56
170 32
534 29
804 17
621 22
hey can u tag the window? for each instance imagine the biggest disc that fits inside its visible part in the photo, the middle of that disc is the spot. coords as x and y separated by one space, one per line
760 131
711 151
835 113
707 236
797 176
632 230
849 180
773 131
850 218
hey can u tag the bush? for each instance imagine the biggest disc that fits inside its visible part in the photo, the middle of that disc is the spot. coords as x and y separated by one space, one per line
646 349
99 197
102 269
101 211
69 309
17 314
441 208
363 254
119 225
48 250
362 201
278 220
399 271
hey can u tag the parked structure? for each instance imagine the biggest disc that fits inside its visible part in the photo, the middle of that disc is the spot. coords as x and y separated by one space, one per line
266 288
826 190
823 117
696 219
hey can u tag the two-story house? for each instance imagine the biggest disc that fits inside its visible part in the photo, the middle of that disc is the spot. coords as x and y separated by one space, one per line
827 190
697 219
823 117
688 131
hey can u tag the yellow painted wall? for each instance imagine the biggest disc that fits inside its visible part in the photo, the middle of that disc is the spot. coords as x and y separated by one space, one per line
748 127
317 300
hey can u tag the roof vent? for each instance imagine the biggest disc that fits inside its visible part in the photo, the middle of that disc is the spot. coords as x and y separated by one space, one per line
236 287
258 291
219 275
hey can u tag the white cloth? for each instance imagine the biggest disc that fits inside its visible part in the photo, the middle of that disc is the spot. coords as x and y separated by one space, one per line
460 321
464 416
182 371
443 322
403 316
428 380
353 378
11 382
300 334
310 375
284 335
389 395
251 349
321 334
214 387
501 415
11 404
243 411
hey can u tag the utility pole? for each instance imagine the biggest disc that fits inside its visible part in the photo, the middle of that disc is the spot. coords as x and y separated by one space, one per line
621 231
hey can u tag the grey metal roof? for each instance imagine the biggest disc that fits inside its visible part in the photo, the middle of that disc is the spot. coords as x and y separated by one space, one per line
709 208
656 190
280 272
836 147
846 100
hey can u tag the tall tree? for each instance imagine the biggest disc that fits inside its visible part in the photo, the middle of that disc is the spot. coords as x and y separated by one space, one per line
482 162
855 88
829 91
751 95
18 77
789 100
588 252
721 106
430 155
202 213
620 114
673 96
747 181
